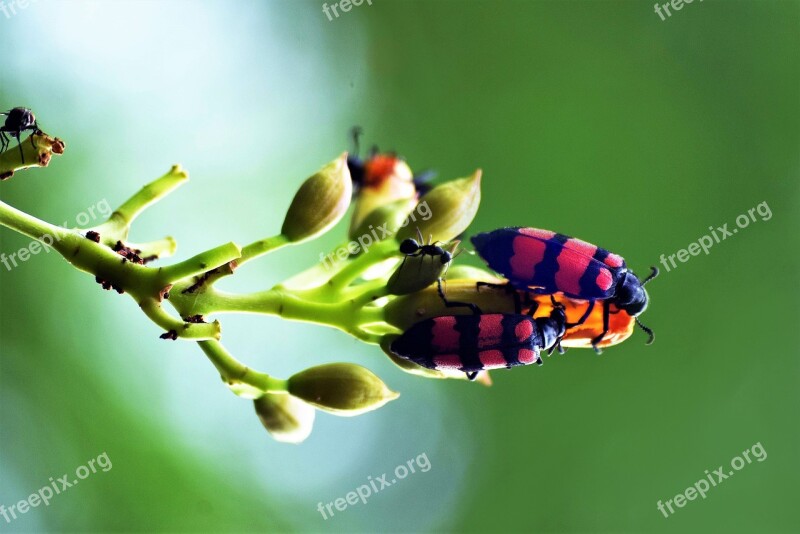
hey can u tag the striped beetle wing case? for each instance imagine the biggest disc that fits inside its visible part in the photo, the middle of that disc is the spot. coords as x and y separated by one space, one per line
471 343
553 262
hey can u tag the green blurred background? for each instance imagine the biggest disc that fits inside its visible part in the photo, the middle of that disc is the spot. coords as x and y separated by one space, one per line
595 119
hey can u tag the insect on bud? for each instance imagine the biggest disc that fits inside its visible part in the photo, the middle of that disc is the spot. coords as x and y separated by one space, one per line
320 202
453 205
389 188
342 389
286 418
418 271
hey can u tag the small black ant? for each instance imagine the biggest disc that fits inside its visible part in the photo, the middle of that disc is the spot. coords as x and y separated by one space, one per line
18 120
412 248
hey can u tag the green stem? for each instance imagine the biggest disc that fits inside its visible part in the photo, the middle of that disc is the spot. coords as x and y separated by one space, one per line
152 308
379 252
347 316
203 262
261 247
161 248
232 370
121 219
28 224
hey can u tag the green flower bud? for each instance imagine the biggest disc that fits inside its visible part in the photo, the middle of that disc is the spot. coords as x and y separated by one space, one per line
341 389
418 272
453 206
286 418
389 216
320 202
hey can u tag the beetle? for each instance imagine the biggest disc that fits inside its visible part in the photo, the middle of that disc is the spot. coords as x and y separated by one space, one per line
546 262
378 168
18 120
408 279
472 343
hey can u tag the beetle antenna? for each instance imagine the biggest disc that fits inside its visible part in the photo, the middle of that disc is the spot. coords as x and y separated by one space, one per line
653 274
648 331
355 133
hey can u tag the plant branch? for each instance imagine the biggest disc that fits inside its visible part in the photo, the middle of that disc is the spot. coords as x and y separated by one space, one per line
232 370
37 151
201 263
118 224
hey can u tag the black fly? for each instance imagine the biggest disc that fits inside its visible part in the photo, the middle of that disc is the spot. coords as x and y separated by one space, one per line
18 120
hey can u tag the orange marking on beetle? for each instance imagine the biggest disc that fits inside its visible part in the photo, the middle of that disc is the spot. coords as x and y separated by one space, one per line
535 232
527 254
444 335
604 280
571 266
579 245
614 261
523 330
491 330
492 359
527 356
379 169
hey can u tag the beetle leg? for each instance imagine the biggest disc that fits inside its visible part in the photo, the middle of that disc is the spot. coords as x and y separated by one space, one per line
452 304
472 376
584 317
599 338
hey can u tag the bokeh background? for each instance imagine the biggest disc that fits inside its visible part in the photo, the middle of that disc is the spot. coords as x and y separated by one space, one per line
595 119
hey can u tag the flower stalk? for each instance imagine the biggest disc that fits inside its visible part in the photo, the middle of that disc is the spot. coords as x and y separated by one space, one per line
345 293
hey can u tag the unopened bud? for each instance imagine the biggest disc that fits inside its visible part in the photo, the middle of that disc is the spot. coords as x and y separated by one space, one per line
382 221
341 389
320 202
419 271
286 418
453 205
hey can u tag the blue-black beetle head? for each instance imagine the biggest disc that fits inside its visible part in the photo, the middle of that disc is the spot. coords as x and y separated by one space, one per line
630 294
632 298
